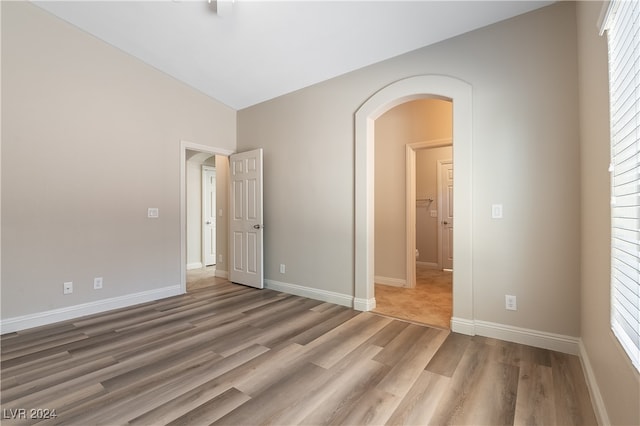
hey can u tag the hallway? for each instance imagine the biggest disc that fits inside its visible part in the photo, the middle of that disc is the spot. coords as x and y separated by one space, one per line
430 302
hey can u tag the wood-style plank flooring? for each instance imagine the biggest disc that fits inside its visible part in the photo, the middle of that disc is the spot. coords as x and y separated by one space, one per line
228 354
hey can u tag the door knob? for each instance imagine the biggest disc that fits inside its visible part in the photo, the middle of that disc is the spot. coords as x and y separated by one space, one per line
444 222
208 222
257 226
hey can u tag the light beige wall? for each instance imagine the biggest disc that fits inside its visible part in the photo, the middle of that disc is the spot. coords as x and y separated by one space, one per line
617 379
411 122
427 187
525 149
90 140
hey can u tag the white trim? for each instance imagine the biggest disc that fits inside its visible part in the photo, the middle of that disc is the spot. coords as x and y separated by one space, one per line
204 169
463 326
311 293
594 391
408 89
10 325
439 165
603 18
184 145
205 148
364 304
431 143
395 282
194 265
525 336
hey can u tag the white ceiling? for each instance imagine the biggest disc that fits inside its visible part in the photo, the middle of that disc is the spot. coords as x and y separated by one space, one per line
263 49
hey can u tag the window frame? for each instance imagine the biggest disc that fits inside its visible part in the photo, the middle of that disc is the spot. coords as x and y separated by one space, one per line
621 21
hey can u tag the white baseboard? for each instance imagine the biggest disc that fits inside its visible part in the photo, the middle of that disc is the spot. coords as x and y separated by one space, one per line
395 282
194 265
311 293
11 325
463 326
525 336
222 274
594 391
364 305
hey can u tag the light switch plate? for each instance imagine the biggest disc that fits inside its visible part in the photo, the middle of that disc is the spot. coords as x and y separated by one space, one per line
153 212
510 303
496 211
434 213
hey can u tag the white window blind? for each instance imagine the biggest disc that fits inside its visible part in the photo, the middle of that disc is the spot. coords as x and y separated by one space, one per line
622 25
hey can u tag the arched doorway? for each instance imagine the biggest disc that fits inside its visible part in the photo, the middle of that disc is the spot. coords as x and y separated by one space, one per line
460 93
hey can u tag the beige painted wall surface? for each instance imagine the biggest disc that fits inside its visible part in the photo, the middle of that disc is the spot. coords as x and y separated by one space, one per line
411 122
90 140
525 153
617 379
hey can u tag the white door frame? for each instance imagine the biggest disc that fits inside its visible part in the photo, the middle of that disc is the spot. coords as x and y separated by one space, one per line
184 146
205 184
410 201
439 166
408 89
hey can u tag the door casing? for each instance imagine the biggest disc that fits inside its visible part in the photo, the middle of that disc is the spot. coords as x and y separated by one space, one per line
184 146
444 260
460 93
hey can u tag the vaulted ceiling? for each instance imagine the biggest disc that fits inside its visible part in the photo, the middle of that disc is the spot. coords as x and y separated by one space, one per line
260 49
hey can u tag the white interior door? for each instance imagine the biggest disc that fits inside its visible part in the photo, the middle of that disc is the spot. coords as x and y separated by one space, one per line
446 218
246 228
209 215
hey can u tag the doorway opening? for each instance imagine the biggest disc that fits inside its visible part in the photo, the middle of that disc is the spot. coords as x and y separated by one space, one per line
201 219
413 211
203 215
412 88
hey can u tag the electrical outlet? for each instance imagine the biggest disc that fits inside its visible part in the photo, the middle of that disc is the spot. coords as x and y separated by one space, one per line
67 288
283 268
97 283
510 302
